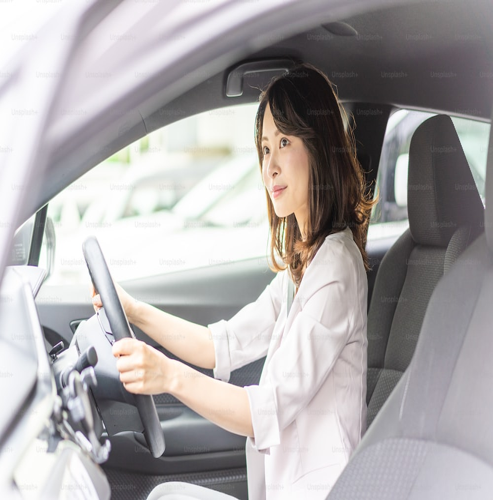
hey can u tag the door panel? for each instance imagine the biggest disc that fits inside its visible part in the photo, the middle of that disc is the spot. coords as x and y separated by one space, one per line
202 295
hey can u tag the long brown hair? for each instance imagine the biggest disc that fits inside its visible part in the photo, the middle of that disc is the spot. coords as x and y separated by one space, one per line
303 104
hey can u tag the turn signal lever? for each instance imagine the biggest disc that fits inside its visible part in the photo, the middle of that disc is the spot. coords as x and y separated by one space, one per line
89 358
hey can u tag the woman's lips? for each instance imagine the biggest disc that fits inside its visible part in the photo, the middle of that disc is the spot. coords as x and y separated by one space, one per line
278 192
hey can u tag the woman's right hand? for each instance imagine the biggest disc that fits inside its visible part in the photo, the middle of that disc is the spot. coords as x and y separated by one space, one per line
127 301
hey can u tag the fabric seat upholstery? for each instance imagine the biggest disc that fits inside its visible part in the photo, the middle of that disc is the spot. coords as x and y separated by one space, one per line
445 215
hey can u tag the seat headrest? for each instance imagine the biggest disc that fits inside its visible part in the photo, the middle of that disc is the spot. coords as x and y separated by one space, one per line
442 194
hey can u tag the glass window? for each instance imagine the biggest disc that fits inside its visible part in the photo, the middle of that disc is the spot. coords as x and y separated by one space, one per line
185 196
474 138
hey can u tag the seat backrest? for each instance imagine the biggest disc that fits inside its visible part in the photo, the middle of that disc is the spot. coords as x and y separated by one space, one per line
433 438
445 215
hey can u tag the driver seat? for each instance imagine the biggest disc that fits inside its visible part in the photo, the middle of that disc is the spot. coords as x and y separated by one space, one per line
433 437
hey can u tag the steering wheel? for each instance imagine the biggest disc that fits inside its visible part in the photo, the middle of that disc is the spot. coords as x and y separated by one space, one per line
120 327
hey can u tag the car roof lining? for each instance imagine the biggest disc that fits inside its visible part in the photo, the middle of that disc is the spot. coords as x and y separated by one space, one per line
433 42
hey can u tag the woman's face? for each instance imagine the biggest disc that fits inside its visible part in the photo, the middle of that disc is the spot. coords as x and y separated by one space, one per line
285 171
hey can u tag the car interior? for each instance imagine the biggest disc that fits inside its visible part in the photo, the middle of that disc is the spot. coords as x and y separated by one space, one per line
429 288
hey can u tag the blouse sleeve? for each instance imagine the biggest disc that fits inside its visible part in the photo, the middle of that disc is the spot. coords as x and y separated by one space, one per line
246 336
300 365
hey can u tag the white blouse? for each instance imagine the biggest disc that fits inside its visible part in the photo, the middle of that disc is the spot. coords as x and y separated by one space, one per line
309 408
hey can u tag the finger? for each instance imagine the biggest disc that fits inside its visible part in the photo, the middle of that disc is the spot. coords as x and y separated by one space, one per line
125 364
131 377
124 347
96 300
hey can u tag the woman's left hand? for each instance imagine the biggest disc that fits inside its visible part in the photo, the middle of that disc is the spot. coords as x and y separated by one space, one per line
143 369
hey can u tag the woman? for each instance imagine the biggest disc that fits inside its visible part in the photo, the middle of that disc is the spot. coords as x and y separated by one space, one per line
308 412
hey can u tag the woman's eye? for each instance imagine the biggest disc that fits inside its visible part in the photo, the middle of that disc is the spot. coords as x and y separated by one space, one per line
283 142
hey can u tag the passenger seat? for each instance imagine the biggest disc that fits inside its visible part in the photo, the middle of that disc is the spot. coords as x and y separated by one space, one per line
445 215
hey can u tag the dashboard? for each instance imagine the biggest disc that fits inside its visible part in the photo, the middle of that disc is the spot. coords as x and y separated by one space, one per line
50 427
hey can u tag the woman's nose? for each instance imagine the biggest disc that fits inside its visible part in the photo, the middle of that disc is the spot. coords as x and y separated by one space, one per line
272 167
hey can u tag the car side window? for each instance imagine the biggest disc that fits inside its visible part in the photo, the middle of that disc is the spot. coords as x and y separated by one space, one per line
389 215
185 196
